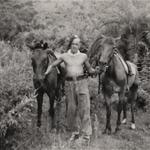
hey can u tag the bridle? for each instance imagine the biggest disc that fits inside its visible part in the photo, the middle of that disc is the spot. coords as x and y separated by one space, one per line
105 66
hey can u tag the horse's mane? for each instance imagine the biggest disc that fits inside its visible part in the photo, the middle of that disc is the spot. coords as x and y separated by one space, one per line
94 51
95 47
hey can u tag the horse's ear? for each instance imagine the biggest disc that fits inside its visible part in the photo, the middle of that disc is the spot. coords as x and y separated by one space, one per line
45 45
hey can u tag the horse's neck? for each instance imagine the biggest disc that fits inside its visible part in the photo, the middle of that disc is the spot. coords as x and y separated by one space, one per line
110 70
115 67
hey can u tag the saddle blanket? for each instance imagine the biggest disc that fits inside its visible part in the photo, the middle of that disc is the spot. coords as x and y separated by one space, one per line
126 64
133 69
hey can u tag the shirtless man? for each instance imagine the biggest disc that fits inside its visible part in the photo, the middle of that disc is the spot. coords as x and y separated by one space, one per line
76 90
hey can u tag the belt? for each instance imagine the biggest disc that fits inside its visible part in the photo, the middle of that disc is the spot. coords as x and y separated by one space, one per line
76 78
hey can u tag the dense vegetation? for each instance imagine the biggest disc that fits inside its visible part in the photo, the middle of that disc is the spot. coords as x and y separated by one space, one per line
23 22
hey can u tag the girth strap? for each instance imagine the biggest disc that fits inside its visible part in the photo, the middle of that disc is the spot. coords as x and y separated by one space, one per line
123 62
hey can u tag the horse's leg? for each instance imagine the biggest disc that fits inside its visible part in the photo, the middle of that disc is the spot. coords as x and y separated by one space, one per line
66 103
51 96
99 83
133 97
132 117
108 113
39 108
124 112
119 108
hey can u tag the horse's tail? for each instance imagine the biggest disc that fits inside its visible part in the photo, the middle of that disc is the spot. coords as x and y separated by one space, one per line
99 83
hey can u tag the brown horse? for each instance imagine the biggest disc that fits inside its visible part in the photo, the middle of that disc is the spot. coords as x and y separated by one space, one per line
114 76
50 84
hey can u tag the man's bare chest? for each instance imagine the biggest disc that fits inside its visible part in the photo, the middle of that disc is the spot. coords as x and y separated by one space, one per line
76 60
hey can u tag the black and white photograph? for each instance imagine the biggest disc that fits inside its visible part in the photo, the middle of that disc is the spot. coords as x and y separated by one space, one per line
74 74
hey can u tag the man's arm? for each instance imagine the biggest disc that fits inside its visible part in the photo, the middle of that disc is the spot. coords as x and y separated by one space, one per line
89 68
54 64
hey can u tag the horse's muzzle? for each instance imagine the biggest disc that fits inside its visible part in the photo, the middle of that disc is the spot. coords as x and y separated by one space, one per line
39 82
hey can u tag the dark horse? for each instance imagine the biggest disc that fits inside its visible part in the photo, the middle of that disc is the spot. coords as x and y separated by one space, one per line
115 79
49 84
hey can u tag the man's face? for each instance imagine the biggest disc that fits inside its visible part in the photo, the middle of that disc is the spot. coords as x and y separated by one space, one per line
75 45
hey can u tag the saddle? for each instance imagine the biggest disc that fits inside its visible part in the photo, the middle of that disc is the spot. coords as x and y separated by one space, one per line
128 66
130 70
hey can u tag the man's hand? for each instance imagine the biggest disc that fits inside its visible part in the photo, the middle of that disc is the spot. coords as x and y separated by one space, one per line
48 70
94 72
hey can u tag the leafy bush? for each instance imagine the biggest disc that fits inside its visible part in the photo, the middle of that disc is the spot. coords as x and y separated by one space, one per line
15 83
18 18
16 75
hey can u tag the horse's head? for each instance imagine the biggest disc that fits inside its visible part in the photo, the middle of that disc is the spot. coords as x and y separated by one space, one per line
106 52
41 58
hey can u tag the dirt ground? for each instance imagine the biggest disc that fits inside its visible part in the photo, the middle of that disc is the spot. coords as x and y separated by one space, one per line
126 139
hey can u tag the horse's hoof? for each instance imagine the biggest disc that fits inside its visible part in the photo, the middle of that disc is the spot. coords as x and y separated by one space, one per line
124 121
53 126
106 131
117 129
133 126
109 132
39 124
53 130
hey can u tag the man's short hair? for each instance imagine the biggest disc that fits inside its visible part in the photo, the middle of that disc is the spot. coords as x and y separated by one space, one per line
71 40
